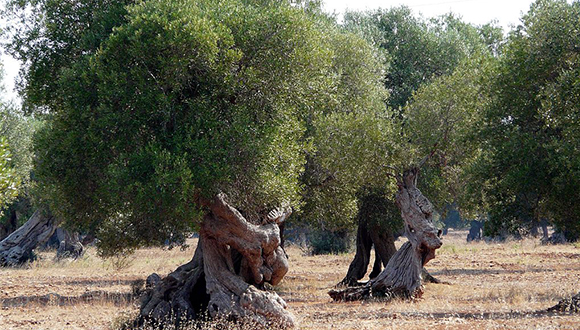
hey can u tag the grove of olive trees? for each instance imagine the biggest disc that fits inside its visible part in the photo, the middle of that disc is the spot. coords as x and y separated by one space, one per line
145 121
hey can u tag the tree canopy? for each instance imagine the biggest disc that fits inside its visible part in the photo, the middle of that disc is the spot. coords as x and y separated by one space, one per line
182 100
529 144
154 105
360 152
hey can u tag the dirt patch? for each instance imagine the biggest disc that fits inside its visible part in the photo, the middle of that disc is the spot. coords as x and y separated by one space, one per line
492 286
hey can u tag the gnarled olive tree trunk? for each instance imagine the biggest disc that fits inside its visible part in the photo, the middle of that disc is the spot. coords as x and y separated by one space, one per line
17 247
403 274
233 261
382 240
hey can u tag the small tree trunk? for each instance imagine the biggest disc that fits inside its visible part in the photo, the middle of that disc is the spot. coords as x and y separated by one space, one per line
544 225
17 247
475 231
358 266
233 260
385 249
402 275
69 245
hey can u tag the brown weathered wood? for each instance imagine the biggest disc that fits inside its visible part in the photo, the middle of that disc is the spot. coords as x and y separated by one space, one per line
402 275
233 261
17 247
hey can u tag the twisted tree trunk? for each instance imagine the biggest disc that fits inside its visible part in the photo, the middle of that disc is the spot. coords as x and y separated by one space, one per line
233 261
403 274
17 247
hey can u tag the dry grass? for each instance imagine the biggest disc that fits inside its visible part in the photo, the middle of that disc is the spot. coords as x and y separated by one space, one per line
492 286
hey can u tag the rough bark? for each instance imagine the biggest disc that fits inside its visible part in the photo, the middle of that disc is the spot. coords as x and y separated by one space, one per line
383 241
402 275
69 245
232 263
17 247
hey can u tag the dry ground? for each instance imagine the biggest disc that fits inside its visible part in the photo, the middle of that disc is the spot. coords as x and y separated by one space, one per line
491 287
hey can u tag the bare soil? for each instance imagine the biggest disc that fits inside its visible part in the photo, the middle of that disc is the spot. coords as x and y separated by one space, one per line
491 286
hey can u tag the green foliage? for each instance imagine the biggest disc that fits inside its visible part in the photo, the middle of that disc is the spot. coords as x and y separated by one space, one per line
16 138
9 180
357 151
329 242
419 50
379 210
443 120
529 168
49 35
416 52
18 130
353 138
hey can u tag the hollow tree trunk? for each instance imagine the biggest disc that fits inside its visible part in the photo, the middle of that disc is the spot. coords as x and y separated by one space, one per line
233 261
402 275
17 247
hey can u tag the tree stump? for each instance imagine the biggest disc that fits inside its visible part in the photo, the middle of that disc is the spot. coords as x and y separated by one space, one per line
233 261
403 274
17 247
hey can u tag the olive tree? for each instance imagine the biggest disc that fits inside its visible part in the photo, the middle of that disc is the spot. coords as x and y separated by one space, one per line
530 126
165 117
417 53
